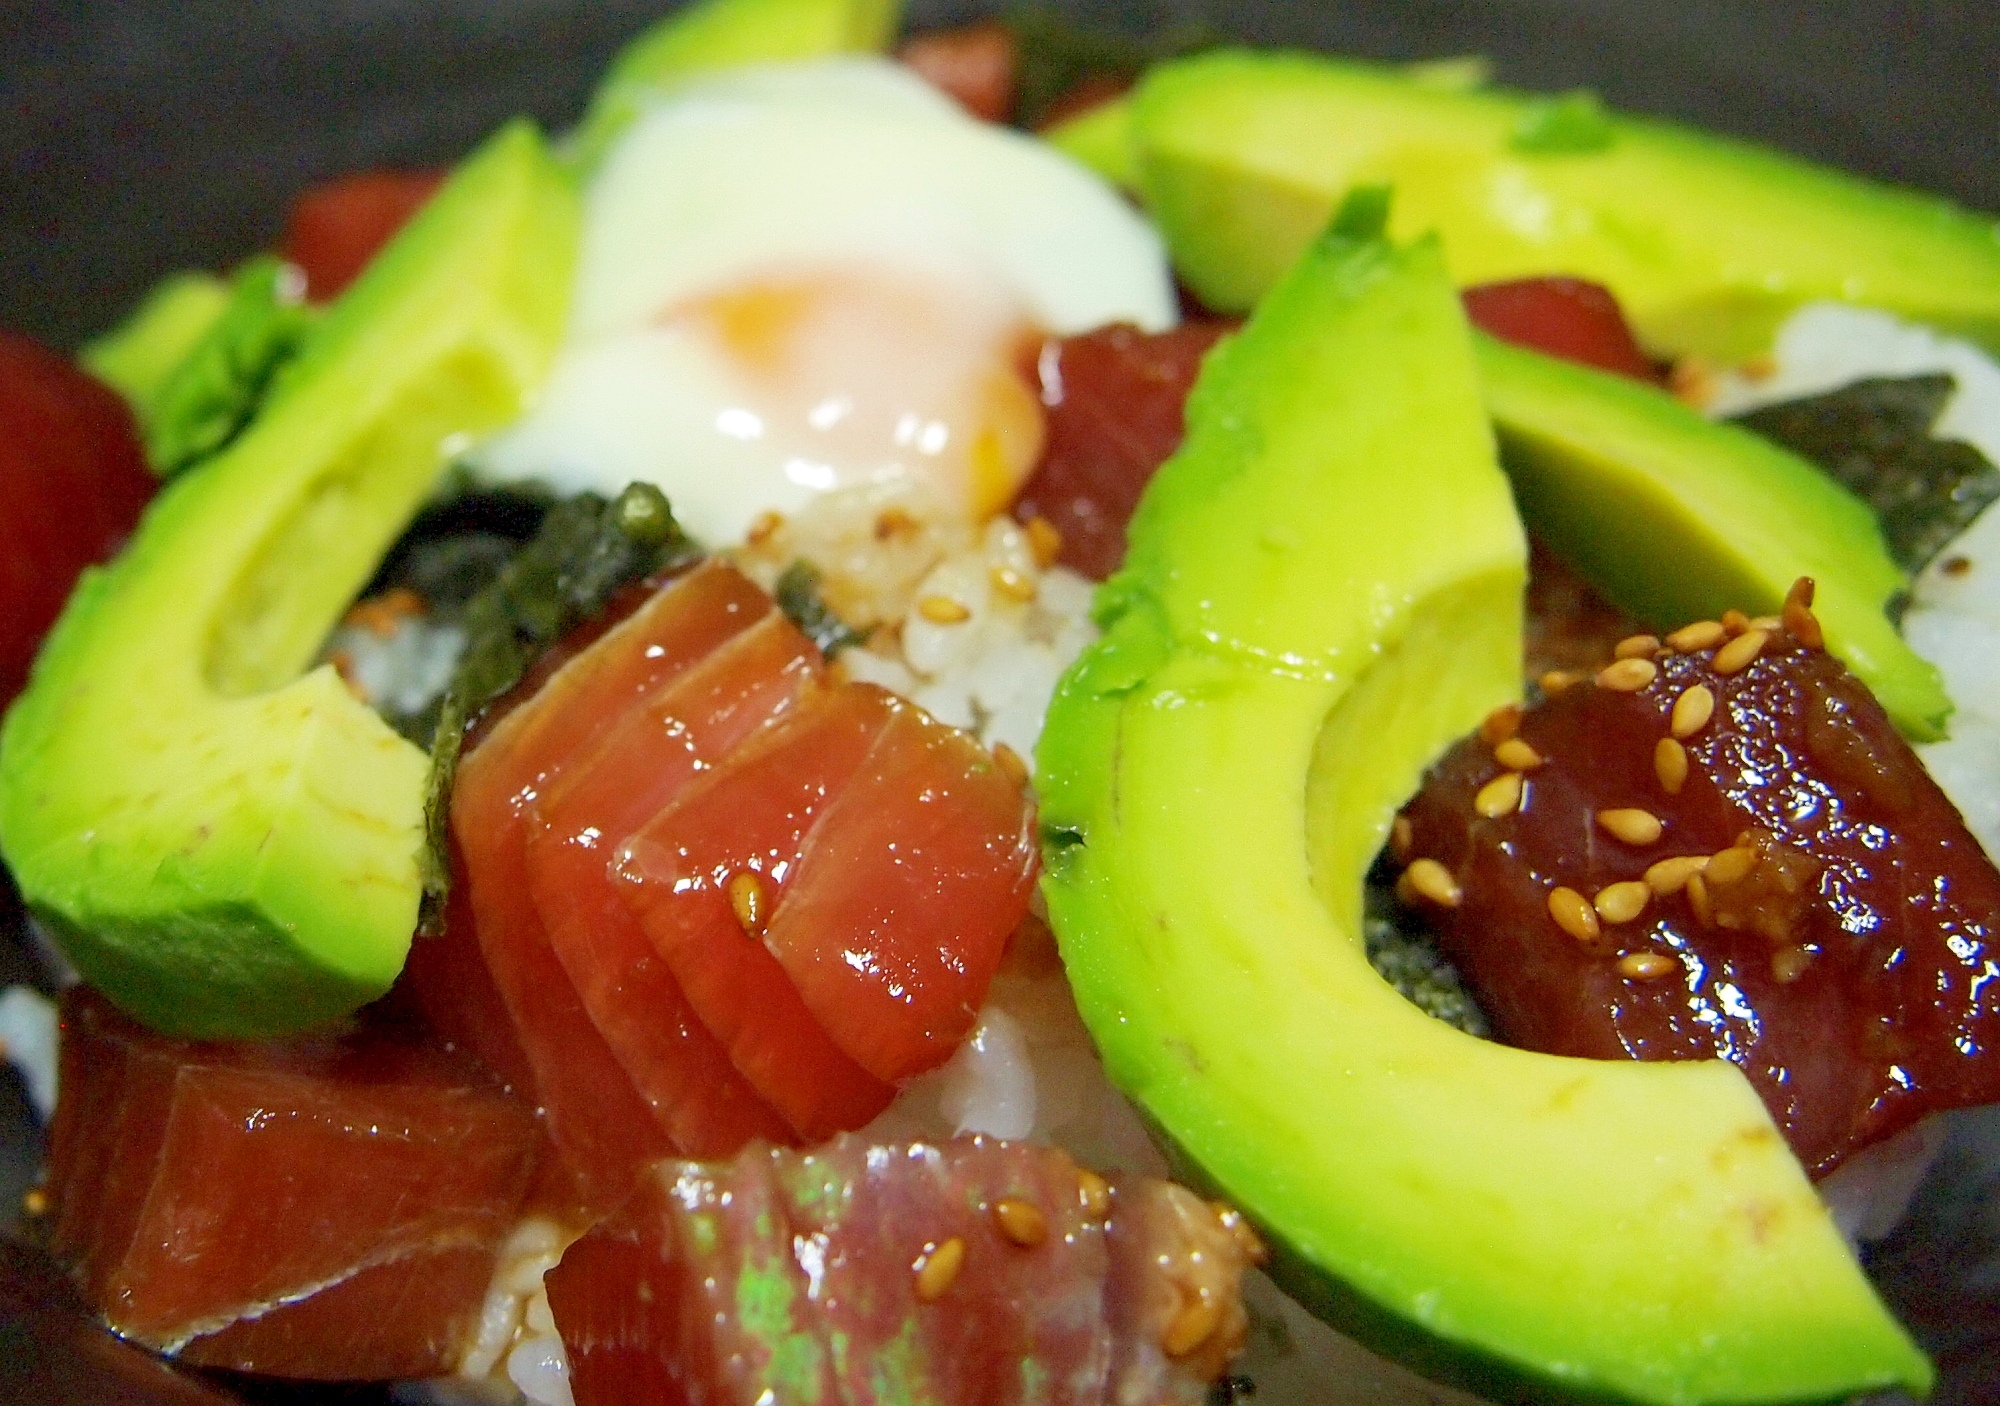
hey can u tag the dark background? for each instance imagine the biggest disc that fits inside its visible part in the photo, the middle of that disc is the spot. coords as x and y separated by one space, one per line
138 136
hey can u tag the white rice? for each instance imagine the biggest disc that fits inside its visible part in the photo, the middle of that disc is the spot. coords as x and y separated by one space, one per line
28 1041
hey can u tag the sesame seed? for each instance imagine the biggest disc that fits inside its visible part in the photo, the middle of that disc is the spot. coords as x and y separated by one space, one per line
1735 622
1401 837
1429 879
1517 754
1692 381
1247 1240
1628 675
35 1202
1788 964
937 1269
1573 914
943 610
1012 584
1500 796
1697 891
750 899
1702 634
763 528
1671 875
894 522
1021 1221
1621 902
1010 764
1955 565
1631 825
1692 710
1190 1327
1044 540
1645 966
1636 647
1500 724
1799 619
1731 864
382 615
1093 1193
1670 764
1555 682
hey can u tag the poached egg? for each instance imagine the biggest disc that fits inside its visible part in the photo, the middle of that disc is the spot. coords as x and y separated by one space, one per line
818 277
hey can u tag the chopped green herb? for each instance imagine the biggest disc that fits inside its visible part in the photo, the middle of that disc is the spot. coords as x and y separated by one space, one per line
1404 954
206 400
799 597
1570 123
585 551
1057 55
1874 436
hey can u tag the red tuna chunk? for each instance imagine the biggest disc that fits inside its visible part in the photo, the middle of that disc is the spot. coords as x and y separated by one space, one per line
325 1207
977 1272
1757 869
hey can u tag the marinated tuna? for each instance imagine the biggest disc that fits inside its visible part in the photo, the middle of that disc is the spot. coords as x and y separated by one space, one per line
325 1207
1720 847
976 1272
1114 399
719 896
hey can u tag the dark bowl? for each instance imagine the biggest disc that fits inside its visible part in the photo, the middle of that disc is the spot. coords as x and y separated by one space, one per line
141 136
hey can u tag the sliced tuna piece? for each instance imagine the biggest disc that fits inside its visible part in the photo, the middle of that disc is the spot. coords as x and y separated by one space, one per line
323 1207
679 1068
976 1273
598 1120
703 876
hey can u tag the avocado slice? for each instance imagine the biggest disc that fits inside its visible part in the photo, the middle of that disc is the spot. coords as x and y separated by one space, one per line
224 847
1707 242
1324 590
714 34
1678 518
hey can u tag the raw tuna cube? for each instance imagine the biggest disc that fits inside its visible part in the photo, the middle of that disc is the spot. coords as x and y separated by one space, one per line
320 1207
978 1273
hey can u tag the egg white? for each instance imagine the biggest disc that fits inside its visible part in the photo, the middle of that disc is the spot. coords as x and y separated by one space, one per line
808 277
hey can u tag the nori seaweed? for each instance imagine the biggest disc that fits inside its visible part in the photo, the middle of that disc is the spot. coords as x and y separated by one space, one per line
1874 437
583 553
1404 953
798 596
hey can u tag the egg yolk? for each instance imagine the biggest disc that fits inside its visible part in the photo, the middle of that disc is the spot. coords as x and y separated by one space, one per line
857 377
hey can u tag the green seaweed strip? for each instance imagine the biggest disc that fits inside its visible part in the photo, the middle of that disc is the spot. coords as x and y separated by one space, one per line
798 596
586 551
1874 437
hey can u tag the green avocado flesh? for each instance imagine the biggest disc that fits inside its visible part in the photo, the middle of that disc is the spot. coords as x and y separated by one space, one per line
224 844
1677 517
1707 242
717 34
1323 590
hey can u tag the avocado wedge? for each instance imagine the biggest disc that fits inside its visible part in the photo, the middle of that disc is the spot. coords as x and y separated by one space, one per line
1323 590
712 34
1677 517
1707 242
223 841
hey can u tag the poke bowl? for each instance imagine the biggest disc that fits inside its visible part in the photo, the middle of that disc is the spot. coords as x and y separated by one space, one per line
157 140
